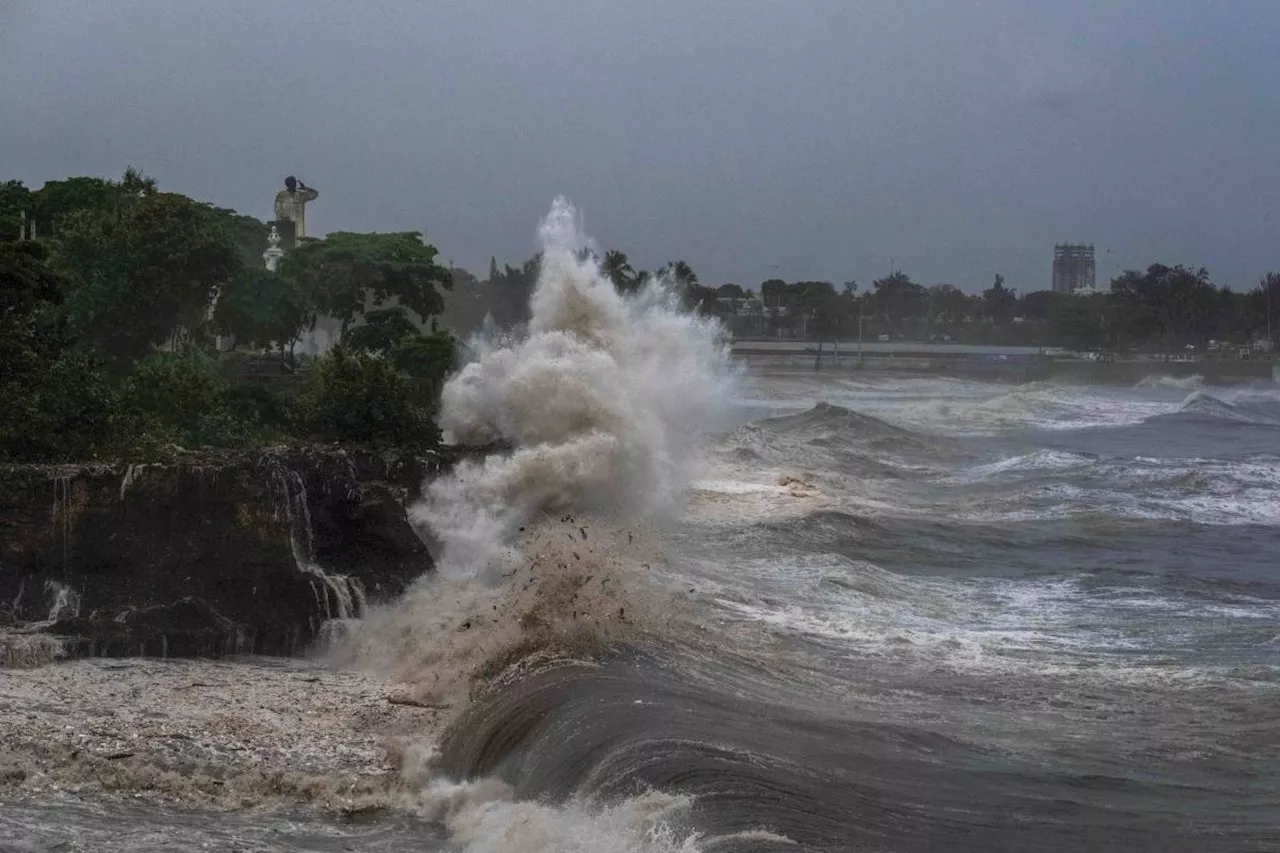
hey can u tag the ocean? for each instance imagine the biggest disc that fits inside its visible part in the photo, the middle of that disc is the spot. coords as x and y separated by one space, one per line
700 609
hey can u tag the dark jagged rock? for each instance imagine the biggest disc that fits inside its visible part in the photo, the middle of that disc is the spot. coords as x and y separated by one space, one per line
209 555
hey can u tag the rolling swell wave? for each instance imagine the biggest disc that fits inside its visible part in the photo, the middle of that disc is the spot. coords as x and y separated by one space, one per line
856 444
895 676
1257 409
764 775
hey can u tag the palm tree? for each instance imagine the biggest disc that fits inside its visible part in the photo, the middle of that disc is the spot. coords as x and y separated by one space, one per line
618 270
681 273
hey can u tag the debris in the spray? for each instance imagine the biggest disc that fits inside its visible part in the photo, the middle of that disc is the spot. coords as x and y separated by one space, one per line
401 699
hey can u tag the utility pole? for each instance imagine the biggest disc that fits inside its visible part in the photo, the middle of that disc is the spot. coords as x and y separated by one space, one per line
860 336
1270 341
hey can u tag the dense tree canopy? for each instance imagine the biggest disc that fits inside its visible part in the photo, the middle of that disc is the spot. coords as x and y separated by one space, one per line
106 326
142 268
261 308
898 300
345 274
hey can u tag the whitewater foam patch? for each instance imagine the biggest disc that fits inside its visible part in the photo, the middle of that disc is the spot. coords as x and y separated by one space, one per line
1069 626
1201 491
549 554
604 402
1183 383
483 817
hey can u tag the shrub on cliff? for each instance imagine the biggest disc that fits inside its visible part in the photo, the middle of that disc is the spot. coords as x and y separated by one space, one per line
64 410
180 398
364 397
388 332
58 404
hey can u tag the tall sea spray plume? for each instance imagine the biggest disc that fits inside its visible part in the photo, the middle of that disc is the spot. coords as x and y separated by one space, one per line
603 401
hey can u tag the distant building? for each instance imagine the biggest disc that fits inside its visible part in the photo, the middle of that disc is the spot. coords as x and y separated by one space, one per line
1073 268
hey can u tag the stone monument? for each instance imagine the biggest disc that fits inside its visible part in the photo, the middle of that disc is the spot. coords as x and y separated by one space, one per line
273 252
291 204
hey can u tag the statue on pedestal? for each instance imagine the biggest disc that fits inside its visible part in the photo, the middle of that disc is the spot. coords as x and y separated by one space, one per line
291 204
274 253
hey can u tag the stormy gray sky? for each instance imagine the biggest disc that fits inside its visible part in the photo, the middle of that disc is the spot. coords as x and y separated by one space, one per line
802 139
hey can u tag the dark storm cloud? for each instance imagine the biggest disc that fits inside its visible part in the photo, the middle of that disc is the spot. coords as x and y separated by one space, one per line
806 139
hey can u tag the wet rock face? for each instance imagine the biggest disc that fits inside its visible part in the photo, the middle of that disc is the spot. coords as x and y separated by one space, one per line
222 554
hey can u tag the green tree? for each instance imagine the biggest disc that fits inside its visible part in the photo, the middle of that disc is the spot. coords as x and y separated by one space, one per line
427 358
618 270
948 305
15 200
1265 302
507 296
1081 323
363 397
1040 304
58 404
773 292
141 270
1164 306
817 303
248 233
898 299
679 273
999 302
260 308
382 329
346 274
57 199
180 398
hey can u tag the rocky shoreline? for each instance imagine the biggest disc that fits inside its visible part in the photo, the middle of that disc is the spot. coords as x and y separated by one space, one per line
205 555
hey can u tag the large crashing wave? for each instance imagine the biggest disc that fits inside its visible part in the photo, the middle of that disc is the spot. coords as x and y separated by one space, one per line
603 401
545 546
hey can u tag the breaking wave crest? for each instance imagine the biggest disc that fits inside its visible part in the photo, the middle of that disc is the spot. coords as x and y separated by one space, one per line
1252 409
547 548
1187 383
604 401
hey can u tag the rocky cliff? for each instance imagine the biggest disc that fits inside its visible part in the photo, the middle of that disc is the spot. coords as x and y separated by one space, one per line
212 555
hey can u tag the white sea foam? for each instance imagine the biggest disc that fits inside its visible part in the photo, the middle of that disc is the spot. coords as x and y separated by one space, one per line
604 402
484 817
1204 491
856 609
1184 383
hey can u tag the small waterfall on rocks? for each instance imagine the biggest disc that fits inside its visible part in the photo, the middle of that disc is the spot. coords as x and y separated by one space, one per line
62 515
337 596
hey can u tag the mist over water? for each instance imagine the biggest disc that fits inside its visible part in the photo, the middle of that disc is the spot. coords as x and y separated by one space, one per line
603 403
547 547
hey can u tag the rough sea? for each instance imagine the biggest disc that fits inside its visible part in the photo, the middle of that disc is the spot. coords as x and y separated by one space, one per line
888 613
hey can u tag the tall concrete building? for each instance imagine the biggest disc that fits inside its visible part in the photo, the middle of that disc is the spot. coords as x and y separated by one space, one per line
1073 267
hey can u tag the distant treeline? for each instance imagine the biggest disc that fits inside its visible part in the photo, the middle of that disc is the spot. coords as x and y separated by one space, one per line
1162 308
